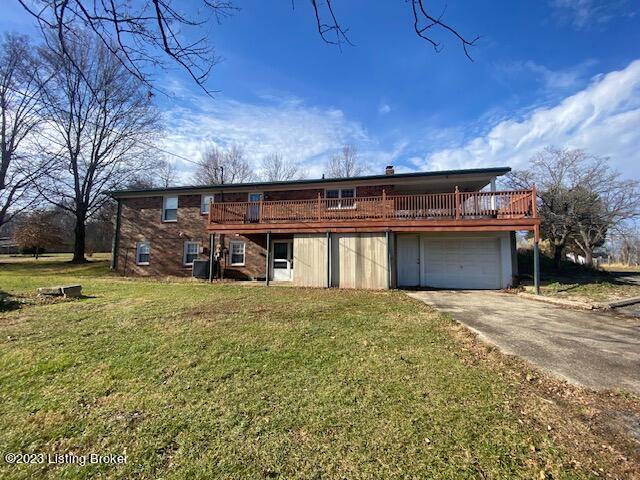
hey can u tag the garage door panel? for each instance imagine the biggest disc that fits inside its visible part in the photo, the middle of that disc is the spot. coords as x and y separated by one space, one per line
472 263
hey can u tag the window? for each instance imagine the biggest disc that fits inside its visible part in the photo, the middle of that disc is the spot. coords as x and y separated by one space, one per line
170 209
340 197
237 254
191 251
204 205
142 253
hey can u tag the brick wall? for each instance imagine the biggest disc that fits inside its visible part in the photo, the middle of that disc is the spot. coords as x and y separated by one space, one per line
141 220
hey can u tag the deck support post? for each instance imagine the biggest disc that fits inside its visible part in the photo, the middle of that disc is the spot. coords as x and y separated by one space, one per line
536 260
211 237
266 276
328 282
389 261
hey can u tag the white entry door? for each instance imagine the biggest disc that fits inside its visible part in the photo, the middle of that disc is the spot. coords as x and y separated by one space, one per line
408 254
282 263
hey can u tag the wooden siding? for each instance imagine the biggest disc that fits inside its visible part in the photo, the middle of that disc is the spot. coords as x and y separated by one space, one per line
310 260
359 260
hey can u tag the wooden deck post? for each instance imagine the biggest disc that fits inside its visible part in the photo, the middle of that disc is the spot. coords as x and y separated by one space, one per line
328 282
534 201
318 207
389 258
536 259
266 276
211 236
384 204
457 203
260 210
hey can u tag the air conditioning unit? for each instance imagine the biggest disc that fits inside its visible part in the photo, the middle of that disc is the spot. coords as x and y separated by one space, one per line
200 269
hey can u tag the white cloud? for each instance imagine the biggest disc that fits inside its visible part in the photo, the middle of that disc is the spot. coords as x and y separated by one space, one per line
286 125
603 119
384 108
551 80
582 14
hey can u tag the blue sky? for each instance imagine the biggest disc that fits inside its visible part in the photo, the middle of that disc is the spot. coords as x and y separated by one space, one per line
561 72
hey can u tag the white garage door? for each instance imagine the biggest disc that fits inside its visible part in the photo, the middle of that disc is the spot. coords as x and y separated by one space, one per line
472 263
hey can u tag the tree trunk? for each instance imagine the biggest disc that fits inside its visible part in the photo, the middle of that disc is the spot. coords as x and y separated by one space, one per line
79 240
557 256
588 257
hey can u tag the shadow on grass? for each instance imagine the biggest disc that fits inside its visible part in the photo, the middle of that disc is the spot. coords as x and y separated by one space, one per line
7 303
569 273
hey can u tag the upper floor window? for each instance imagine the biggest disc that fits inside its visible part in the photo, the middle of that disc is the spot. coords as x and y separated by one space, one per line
204 203
170 209
340 197
143 251
237 253
191 251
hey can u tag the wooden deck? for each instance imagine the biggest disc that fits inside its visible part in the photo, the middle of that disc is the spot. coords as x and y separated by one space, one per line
455 211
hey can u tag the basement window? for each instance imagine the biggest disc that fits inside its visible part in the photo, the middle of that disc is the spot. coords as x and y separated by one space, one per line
170 209
191 251
237 250
143 252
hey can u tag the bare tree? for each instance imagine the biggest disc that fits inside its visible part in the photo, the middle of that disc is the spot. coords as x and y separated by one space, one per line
167 174
580 196
38 231
346 163
223 166
20 86
605 203
148 33
100 122
275 168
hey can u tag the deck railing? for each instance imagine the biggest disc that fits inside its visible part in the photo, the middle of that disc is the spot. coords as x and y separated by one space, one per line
429 206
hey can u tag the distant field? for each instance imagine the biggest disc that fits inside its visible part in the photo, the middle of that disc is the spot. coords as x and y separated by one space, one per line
192 380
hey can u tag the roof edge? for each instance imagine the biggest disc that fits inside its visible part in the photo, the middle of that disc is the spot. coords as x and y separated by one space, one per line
185 188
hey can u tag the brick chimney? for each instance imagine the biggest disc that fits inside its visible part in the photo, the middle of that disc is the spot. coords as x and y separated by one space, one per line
389 170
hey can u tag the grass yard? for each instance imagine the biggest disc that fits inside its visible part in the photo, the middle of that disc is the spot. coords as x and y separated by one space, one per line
191 380
594 291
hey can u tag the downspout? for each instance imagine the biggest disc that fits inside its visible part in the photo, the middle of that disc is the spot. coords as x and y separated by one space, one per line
116 237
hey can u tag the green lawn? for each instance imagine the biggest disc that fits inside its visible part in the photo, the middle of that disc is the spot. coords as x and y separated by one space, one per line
191 380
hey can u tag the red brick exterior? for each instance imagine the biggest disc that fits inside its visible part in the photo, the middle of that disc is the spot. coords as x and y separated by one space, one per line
141 220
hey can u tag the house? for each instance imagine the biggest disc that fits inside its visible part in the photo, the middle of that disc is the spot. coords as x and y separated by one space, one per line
447 229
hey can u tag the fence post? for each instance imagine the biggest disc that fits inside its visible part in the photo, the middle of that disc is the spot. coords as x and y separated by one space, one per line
534 201
457 203
384 204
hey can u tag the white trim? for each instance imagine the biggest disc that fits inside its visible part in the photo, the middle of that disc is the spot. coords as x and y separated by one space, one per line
184 252
244 253
164 209
138 245
289 259
205 209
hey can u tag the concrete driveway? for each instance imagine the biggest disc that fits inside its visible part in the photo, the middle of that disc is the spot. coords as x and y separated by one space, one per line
593 349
